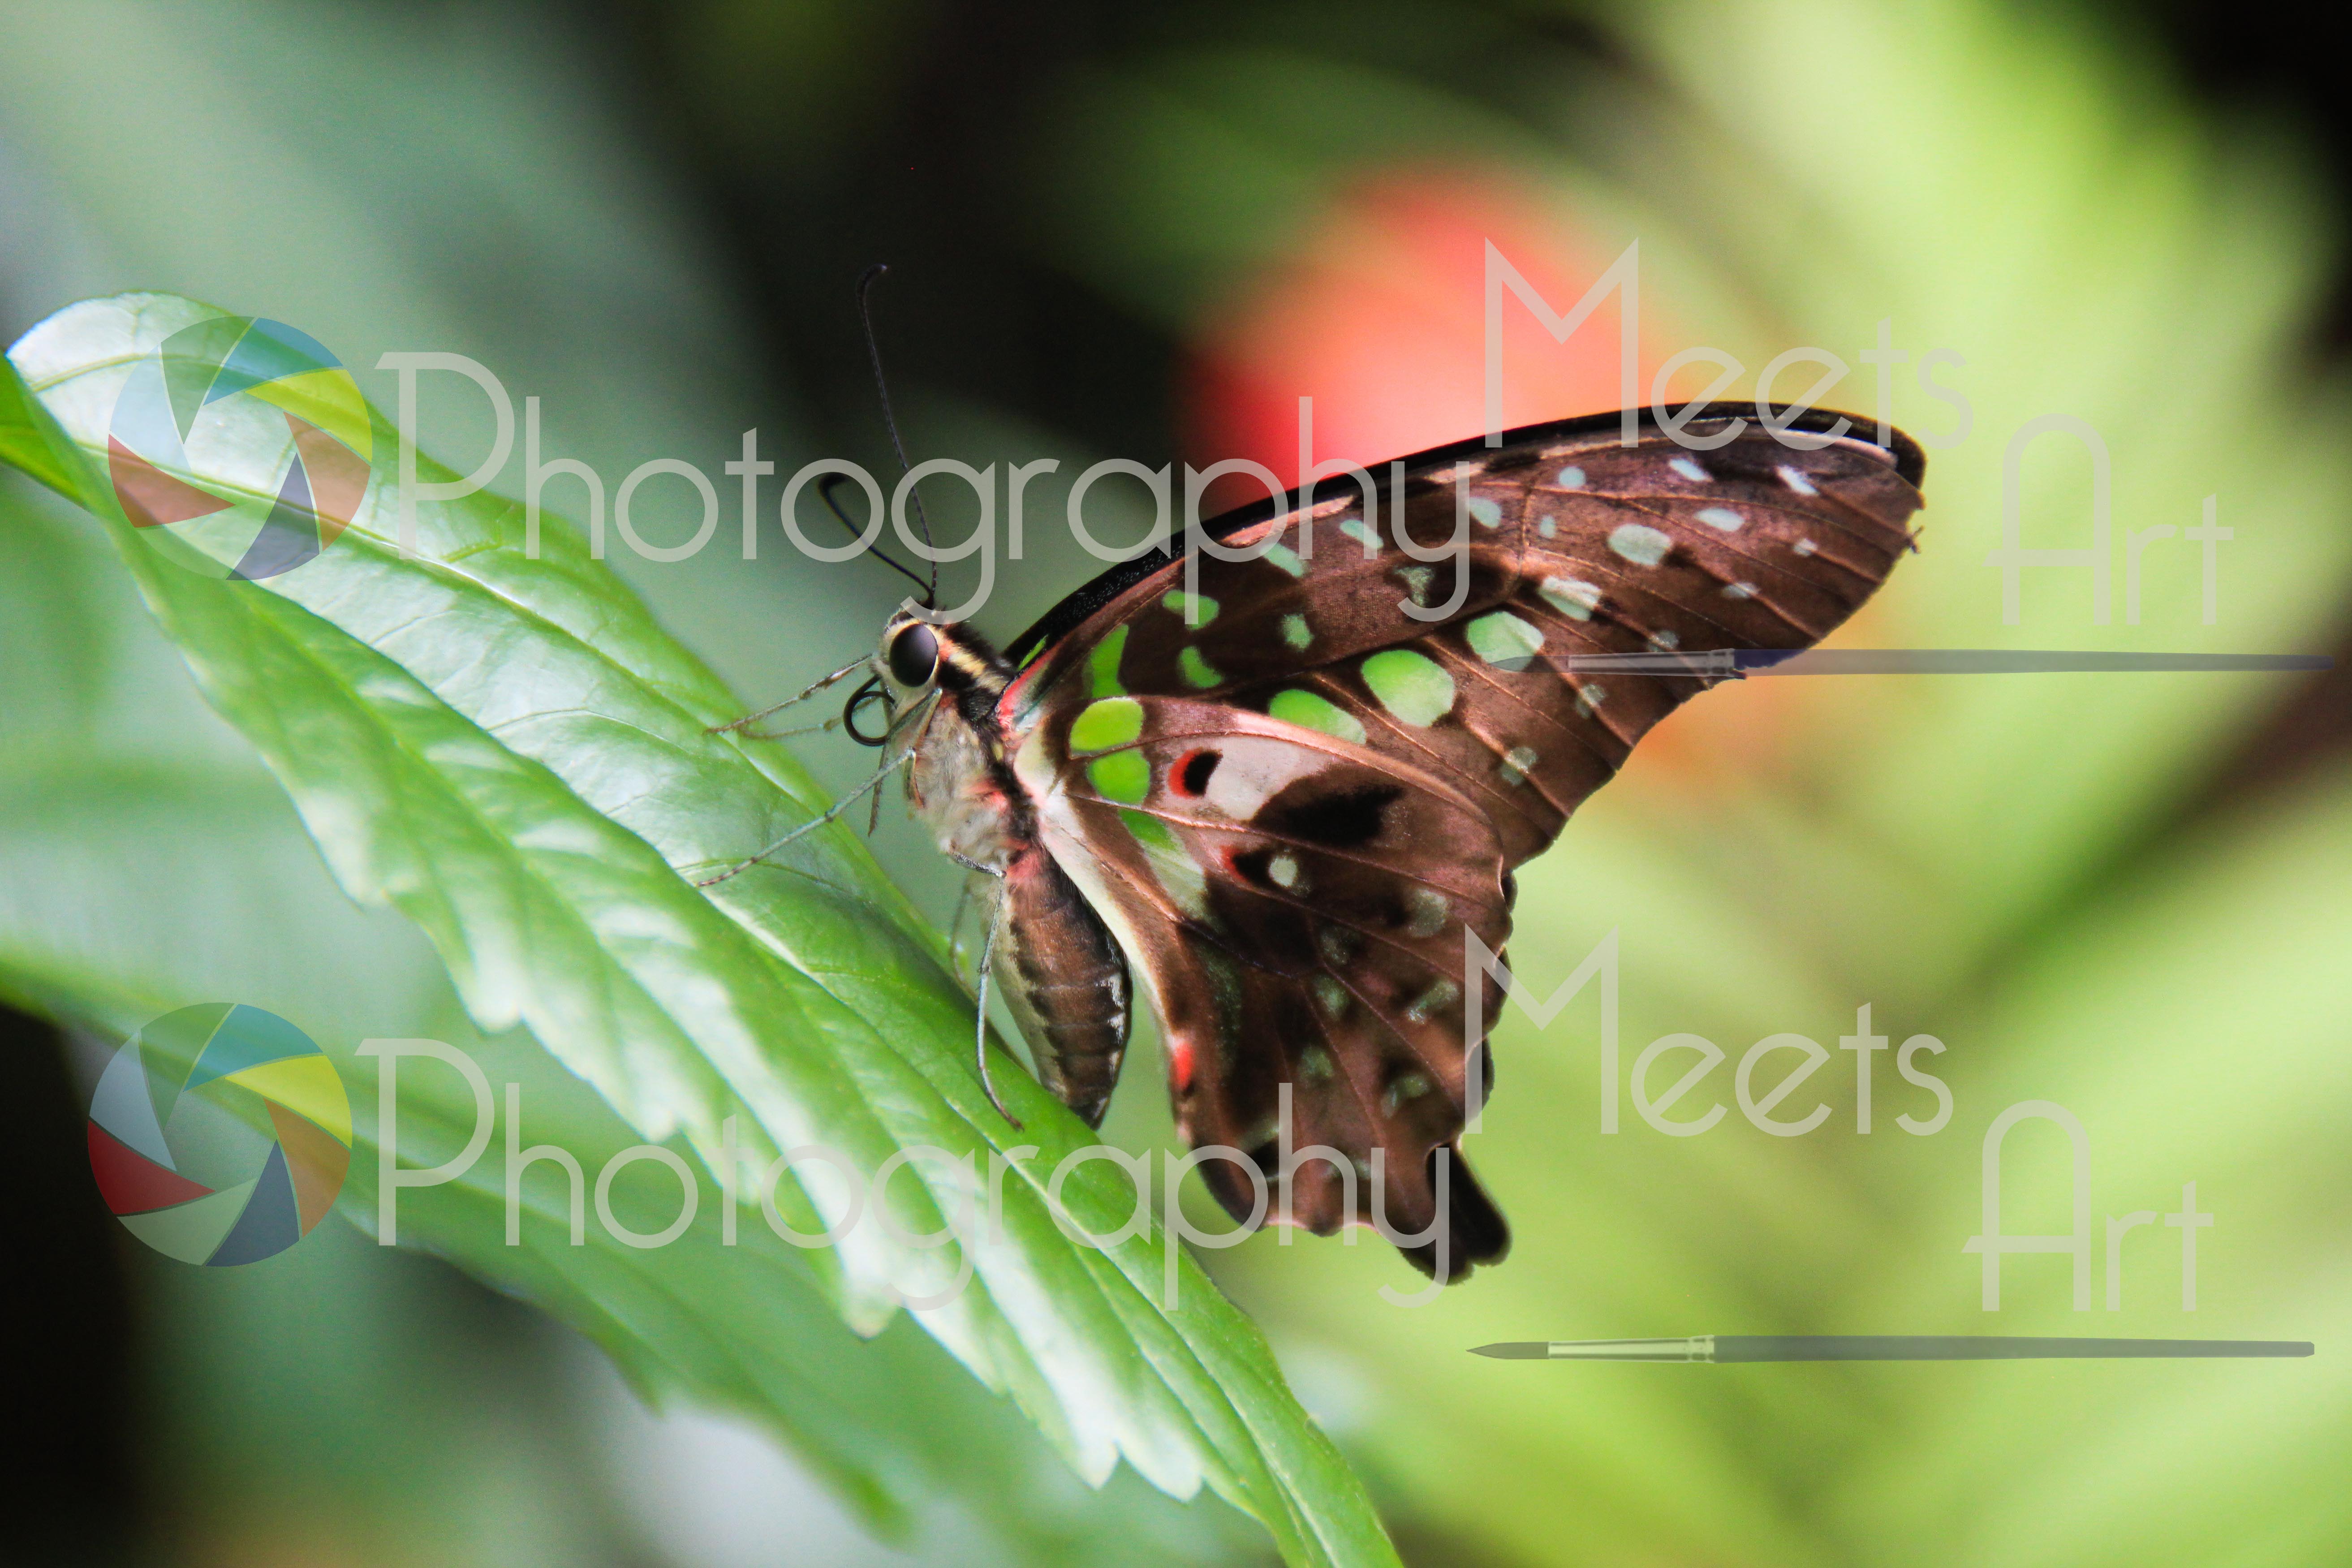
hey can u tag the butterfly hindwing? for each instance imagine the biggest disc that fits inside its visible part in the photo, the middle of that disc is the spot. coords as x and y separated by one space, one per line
1382 758
1296 904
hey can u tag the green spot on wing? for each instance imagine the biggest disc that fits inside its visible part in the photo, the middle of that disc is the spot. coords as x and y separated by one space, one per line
1177 871
1410 685
1102 663
1198 671
1198 609
1287 558
1311 711
1296 633
1113 721
1331 993
1503 638
1122 777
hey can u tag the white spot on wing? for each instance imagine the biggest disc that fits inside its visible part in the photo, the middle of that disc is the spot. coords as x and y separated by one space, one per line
1722 518
1571 596
1641 544
1253 770
1427 910
1690 470
1796 481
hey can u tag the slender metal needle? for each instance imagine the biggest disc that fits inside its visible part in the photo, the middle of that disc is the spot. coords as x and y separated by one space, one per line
1884 1347
1734 664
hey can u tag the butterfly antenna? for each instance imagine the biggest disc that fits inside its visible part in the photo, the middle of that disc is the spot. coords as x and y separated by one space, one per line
824 487
874 352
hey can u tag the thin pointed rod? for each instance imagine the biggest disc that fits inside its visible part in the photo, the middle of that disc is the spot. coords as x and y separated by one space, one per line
1726 1348
1733 664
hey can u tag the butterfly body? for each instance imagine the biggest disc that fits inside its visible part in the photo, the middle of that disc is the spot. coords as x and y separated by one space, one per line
1291 788
1060 969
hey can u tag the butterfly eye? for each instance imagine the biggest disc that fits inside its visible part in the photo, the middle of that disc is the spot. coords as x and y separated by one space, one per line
914 656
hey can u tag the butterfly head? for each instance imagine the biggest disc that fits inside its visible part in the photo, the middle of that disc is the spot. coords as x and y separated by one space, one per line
908 660
917 659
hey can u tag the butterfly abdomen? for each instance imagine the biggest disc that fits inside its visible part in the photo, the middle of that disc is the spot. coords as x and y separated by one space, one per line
1066 981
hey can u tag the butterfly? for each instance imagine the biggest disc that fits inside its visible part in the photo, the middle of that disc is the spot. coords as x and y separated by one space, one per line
1279 793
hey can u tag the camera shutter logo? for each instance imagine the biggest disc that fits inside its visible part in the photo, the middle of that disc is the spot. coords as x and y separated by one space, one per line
239 447
220 1134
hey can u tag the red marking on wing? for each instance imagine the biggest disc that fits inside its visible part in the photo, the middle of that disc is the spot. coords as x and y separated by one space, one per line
1179 1063
1177 784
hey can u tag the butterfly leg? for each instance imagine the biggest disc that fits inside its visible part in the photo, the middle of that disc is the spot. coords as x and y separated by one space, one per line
835 809
963 900
955 926
854 666
987 953
921 713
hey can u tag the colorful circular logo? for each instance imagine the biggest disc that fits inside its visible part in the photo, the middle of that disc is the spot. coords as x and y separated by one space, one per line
239 447
220 1134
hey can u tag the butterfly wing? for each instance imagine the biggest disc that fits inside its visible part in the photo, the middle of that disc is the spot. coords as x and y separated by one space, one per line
1307 662
1297 905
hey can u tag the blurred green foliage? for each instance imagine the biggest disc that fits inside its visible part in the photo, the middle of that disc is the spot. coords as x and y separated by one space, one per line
2092 891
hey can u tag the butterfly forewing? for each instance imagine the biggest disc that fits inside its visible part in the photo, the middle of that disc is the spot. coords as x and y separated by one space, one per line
1290 796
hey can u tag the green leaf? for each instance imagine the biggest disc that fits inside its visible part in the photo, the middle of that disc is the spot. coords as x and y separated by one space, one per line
31 442
508 750
146 858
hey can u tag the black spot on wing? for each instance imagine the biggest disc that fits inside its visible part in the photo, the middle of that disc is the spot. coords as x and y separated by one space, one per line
1334 819
1194 773
1250 865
